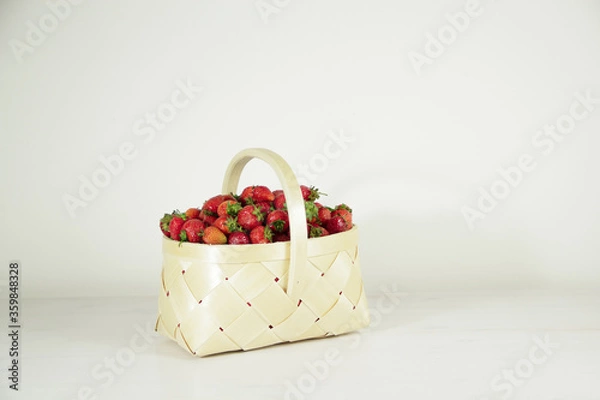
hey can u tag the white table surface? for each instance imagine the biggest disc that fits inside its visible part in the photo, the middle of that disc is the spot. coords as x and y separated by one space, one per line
420 346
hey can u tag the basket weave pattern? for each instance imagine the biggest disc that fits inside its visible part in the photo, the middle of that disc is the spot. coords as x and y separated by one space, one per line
215 299
245 306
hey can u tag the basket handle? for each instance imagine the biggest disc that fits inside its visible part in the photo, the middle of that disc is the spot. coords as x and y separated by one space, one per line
295 206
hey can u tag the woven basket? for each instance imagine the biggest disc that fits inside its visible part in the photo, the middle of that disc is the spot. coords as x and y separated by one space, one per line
216 299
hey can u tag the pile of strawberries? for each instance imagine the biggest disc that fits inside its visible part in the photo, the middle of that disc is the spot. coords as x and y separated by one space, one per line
258 215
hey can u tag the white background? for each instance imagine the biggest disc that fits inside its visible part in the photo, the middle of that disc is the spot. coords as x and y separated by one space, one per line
452 308
424 143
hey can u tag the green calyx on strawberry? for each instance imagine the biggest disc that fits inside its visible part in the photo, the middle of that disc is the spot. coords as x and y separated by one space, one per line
233 209
211 206
176 224
236 197
312 212
246 195
278 221
258 213
316 231
227 224
250 216
229 207
310 193
261 235
264 207
164 224
233 226
210 213
343 207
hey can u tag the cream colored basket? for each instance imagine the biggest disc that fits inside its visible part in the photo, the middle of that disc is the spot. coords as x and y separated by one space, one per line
219 298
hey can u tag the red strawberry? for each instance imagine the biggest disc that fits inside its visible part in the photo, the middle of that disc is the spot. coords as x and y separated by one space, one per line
261 235
250 217
229 207
343 206
281 237
221 223
191 230
316 231
192 213
246 195
175 225
310 193
264 207
337 224
164 224
324 215
262 193
343 211
211 205
227 224
279 202
278 221
207 219
277 192
256 194
238 238
212 235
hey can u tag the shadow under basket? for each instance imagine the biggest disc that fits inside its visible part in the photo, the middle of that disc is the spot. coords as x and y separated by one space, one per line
221 298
